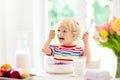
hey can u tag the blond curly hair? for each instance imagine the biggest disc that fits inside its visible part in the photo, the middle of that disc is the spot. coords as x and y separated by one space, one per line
72 25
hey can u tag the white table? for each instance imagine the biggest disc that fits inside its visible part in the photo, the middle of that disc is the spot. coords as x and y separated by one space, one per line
47 76
42 75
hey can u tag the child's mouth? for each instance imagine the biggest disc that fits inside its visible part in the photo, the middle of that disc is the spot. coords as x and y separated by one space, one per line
61 38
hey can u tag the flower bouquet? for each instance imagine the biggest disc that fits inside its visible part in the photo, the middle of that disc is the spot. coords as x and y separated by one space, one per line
108 35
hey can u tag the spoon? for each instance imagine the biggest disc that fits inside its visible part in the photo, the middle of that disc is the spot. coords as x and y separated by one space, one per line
91 22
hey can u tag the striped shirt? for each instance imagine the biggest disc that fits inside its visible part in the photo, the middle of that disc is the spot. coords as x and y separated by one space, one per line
66 53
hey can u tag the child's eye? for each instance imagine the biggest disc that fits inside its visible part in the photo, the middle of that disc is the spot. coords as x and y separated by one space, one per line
58 30
64 31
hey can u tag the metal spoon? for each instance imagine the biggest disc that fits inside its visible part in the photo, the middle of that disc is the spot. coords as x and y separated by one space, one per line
91 22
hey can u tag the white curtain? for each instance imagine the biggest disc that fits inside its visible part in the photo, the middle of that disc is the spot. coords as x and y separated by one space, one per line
116 8
19 17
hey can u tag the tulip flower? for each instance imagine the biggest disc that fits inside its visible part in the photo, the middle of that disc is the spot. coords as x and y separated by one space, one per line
116 24
103 33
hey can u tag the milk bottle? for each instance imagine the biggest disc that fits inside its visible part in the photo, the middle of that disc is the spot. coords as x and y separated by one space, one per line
23 57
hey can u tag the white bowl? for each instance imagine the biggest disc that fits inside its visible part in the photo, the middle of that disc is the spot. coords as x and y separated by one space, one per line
59 68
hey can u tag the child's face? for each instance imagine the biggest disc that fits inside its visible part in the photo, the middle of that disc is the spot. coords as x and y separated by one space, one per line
65 36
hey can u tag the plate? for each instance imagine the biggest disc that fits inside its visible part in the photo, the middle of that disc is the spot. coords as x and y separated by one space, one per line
6 78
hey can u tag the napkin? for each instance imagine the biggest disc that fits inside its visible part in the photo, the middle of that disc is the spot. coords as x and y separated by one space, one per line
97 75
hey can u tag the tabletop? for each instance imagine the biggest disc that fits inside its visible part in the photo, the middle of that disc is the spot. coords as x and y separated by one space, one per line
43 75
48 76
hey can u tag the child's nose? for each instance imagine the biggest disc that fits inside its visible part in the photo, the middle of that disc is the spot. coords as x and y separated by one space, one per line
59 34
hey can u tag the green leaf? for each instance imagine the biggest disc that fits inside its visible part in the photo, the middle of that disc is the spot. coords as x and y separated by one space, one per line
113 43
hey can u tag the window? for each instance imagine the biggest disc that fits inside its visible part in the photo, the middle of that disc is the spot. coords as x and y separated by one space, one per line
59 9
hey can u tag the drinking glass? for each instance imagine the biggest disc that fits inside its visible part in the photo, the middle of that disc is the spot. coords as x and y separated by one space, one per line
79 65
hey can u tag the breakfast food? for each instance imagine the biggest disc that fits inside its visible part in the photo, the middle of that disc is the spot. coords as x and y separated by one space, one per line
7 71
2 72
23 73
6 66
15 74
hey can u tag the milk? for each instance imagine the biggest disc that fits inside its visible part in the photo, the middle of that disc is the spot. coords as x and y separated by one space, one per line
23 56
79 66
23 60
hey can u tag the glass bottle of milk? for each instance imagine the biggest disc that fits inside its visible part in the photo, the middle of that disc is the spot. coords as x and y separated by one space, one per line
23 57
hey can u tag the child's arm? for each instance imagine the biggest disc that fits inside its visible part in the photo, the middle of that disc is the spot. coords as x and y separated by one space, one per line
86 47
46 47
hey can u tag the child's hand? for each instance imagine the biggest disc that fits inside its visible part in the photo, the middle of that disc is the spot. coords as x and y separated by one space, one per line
85 37
52 34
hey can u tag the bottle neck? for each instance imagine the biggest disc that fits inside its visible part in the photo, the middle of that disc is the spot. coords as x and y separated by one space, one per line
22 45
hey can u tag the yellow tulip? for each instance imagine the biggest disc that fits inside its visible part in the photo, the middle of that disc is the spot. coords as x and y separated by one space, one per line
116 24
104 33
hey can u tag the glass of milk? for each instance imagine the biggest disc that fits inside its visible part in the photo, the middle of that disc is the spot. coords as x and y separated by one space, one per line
79 66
